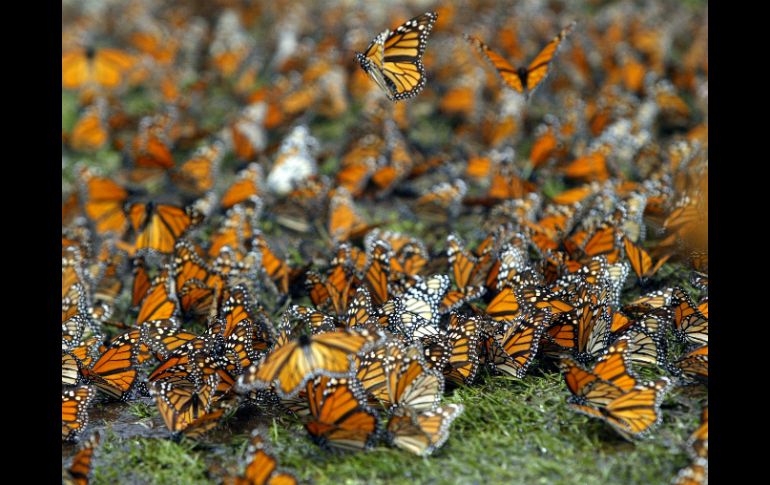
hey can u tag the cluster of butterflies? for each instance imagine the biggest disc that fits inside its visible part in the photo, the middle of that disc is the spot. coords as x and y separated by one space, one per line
173 287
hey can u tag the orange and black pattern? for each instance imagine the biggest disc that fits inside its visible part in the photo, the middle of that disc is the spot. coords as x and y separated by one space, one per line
258 221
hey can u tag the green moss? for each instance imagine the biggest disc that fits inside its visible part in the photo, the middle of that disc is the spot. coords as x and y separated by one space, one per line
142 409
148 460
512 431
69 110
553 187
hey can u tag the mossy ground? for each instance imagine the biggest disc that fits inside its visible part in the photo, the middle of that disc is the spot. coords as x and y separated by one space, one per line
512 431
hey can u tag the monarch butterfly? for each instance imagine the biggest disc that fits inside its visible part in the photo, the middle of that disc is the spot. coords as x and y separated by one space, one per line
422 433
237 227
694 364
524 80
650 301
248 183
262 468
416 313
547 147
236 308
540 297
506 305
585 330
511 268
237 266
508 184
70 369
90 132
611 392
468 273
248 131
604 241
160 301
288 367
700 280
151 147
72 330
114 372
345 221
87 351
339 416
358 164
104 201
690 325
204 423
79 472
592 166
632 413
164 337
230 45
647 342
74 411
197 282
106 277
105 68
393 60
276 268
158 43
696 473
359 314
409 255
398 376
158 226
463 338
316 320
377 274
398 163
197 174
513 352
332 292
641 262
612 367
180 401
443 200
142 283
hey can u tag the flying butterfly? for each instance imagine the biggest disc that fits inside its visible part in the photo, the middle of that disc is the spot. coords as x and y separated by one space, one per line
394 59
524 80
